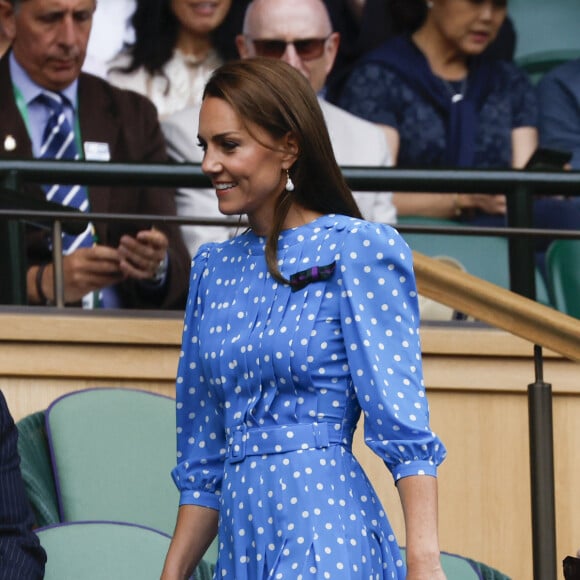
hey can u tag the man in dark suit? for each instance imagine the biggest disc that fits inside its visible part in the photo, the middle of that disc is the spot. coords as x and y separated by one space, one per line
141 266
21 556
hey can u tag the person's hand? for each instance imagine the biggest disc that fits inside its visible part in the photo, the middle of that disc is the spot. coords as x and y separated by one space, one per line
486 203
141 255
85 270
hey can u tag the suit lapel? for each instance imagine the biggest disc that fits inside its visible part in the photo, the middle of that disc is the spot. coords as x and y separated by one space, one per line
99 123
14 140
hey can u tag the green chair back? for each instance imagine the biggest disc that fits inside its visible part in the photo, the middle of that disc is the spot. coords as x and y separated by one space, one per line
457 567
545 26
36 469
103 551
538 64
482 256
112 452
563 267
486 257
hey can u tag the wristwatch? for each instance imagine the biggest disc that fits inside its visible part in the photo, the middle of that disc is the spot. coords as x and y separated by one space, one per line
161 271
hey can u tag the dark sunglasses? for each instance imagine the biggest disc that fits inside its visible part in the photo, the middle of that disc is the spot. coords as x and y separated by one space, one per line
306 48
496 3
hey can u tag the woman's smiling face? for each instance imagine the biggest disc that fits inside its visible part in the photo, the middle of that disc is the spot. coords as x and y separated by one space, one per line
200 17
247 167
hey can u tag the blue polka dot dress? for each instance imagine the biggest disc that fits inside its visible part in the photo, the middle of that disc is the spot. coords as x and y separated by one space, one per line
271 383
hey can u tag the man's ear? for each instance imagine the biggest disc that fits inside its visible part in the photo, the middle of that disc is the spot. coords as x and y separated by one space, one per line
242 46
331 50
7 22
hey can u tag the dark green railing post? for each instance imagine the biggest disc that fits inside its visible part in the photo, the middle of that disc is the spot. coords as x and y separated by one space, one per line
12 257
523 281
542 474
521 249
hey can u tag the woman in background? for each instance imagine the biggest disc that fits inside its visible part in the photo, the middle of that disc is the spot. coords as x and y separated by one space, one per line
293 329
444 103
178 43
366 24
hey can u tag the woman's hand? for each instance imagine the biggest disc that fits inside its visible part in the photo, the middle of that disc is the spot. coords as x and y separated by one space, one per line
486 203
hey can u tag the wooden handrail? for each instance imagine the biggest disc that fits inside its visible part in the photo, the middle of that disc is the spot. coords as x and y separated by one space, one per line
459 290
497 306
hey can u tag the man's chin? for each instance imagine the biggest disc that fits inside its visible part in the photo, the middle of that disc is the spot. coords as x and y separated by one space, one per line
60 79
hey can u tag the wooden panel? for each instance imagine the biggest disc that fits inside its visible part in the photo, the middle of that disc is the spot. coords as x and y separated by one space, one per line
477 379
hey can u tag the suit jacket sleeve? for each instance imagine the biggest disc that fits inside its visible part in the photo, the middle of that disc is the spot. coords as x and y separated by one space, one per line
21 555
128 122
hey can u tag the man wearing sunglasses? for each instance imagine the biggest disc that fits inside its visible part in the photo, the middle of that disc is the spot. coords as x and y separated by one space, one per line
300 33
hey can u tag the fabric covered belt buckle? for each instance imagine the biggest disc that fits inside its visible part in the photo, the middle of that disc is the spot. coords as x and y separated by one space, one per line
238 446
320 431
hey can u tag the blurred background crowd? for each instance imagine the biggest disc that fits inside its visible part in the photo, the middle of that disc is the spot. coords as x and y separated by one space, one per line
409 83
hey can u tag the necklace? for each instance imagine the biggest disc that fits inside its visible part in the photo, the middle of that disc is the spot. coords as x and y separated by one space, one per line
456 89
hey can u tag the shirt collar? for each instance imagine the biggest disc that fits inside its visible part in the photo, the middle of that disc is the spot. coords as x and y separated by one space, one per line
30 90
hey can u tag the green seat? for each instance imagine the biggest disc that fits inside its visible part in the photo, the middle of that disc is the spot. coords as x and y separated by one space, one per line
36 469
537 64
482 256
457 567
563 267
486 257
107 551
113 451
545 26
487 572
103 551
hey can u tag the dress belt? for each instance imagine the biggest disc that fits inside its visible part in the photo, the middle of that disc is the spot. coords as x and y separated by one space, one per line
282 438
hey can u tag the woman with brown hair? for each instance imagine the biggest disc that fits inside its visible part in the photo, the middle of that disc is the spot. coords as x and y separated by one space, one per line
178 43
292 329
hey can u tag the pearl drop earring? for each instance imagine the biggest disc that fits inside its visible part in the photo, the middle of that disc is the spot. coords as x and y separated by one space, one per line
289 182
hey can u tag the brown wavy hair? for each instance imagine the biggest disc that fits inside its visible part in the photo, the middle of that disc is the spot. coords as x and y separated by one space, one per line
274 96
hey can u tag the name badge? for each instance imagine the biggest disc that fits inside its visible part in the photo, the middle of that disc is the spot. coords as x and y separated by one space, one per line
97 151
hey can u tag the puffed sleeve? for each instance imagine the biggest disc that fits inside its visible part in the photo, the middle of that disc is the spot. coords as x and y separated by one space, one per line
200 429
380 320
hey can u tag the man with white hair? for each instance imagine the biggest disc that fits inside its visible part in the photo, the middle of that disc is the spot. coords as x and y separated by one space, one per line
53 111
300 33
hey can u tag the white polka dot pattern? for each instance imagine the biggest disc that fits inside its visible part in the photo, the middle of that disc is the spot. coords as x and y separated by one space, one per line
256 355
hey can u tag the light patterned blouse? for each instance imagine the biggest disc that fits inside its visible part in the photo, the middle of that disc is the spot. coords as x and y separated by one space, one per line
179 86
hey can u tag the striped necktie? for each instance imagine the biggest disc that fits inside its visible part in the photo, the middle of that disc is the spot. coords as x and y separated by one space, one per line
58 142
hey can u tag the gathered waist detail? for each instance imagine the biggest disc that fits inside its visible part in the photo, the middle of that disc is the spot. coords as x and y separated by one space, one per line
281 439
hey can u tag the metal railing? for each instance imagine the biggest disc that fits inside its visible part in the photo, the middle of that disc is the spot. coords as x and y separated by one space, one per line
518 186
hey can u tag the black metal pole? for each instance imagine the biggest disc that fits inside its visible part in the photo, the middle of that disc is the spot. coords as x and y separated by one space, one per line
542 474
57 262
523 281
521 249
13 263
